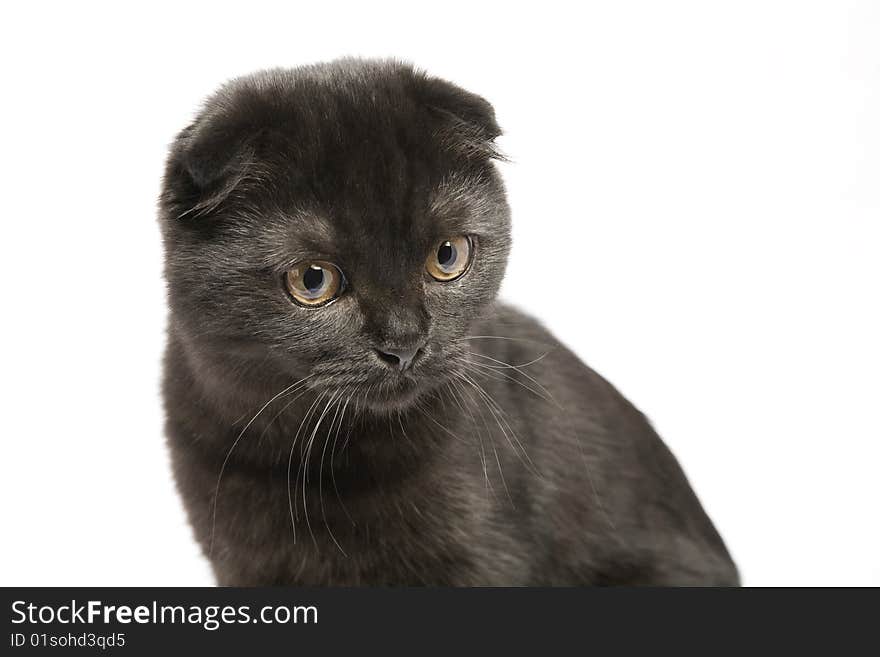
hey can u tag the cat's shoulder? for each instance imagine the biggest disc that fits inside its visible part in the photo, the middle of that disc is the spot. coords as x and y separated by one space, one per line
512 322
512 336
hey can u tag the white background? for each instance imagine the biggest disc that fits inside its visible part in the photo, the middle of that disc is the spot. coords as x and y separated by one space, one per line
702 176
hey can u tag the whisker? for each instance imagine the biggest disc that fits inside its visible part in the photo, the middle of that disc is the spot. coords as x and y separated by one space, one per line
365 393
442 426
490 490
462 393
502 337
279 413
333 456
229 454
494 373
290 503
587 468
499 415
519 371
403 429
321 469
304 466
511 366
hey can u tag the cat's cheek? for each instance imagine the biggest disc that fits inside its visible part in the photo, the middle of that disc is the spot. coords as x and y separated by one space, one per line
490 269
310 325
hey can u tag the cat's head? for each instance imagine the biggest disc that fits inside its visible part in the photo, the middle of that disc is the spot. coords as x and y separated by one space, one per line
343 222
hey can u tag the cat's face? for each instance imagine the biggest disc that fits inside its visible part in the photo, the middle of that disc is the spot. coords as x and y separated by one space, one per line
343 223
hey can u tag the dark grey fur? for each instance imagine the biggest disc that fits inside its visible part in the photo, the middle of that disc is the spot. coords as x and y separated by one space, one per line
466 469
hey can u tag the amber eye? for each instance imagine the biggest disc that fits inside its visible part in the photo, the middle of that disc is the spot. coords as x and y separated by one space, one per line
450 258
314 283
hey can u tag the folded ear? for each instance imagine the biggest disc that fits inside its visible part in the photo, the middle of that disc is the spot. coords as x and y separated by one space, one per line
208 161
468 119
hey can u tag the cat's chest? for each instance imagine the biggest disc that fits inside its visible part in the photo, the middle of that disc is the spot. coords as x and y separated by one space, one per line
419 537
422 529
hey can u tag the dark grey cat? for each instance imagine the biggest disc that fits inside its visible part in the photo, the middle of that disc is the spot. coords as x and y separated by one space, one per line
347 403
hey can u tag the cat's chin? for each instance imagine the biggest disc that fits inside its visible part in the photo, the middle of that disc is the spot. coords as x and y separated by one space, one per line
397 397
394 401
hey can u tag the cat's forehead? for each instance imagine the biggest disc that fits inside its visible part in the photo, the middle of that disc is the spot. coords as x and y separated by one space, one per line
347 162
453 204
346 153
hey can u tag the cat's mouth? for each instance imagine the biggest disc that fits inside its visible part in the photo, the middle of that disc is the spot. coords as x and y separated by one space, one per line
381 390
394 393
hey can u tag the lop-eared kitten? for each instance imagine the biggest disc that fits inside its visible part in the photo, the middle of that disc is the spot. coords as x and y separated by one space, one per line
347 403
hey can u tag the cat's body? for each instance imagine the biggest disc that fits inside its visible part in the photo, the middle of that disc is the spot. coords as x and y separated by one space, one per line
495 458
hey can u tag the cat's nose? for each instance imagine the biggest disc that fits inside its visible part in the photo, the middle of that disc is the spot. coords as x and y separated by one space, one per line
398 358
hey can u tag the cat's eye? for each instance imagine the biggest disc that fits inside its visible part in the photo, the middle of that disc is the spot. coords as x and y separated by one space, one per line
450 258
314 284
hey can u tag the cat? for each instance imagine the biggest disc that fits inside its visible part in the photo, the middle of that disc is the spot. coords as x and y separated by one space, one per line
347 402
